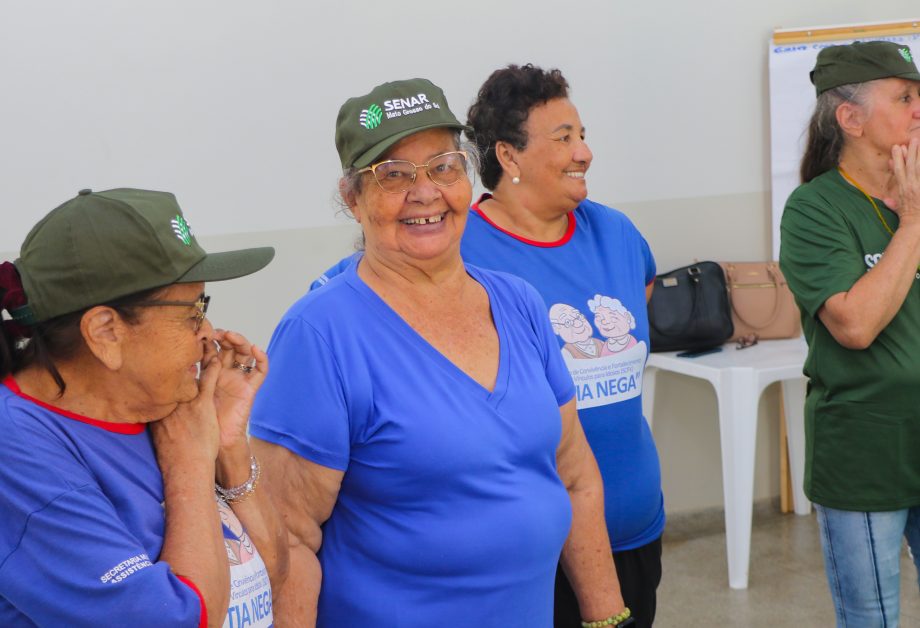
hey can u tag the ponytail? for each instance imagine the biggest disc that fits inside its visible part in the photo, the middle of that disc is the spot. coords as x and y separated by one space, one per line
825 137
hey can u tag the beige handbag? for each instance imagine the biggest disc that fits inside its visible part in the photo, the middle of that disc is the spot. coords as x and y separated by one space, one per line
761 301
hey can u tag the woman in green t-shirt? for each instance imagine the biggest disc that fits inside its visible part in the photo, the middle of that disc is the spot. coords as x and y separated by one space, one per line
858 210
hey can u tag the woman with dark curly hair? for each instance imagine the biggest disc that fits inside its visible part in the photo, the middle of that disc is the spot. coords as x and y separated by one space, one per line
538 223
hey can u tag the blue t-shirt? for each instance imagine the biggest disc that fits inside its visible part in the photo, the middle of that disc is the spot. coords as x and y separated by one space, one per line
82 523
450 506
595 275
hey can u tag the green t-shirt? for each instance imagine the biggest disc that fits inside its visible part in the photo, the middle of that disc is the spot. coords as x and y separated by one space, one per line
862 411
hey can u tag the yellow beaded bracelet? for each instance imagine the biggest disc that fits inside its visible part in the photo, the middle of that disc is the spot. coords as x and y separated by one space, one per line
613 620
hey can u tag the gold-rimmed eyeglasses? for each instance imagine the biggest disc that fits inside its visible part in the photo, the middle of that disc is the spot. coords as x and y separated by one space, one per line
201 307
398 175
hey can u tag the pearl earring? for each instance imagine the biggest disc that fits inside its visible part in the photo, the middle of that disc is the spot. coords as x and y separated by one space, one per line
515 180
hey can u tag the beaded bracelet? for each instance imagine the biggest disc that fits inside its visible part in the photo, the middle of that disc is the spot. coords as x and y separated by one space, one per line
613 620
242 492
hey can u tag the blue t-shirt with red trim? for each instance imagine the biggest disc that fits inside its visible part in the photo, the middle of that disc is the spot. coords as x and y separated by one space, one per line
82 523
593 282
450 510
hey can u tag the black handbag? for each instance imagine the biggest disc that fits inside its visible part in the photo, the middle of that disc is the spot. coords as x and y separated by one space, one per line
689 309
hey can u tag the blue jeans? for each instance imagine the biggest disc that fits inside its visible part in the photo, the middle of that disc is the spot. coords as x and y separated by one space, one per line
862 557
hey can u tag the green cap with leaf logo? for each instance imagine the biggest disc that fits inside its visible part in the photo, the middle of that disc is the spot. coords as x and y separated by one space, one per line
860 62
369 125
100 246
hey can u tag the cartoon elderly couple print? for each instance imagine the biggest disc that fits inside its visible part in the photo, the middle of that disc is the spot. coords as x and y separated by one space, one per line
612 319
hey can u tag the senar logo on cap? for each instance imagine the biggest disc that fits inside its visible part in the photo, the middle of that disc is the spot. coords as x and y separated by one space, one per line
905 52
182 230
407 106
370 118
386 115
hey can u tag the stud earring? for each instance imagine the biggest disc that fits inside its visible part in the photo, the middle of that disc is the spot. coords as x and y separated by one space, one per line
515 180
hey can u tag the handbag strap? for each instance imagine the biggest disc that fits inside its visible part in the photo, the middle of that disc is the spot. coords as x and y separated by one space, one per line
777 302
694 272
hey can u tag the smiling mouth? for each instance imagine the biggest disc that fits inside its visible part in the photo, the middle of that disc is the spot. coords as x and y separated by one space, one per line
578 174
424 221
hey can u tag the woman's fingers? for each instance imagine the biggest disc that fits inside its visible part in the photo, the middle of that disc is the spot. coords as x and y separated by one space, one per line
261 359
226 349
897 162
210 351
235 349
238 342
911 154
907 172
905 179
208 381
191 432
261 366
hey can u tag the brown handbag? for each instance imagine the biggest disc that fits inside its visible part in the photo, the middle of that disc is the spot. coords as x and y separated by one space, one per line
762 303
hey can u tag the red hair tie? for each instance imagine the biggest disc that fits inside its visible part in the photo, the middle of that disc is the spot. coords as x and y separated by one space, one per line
12 296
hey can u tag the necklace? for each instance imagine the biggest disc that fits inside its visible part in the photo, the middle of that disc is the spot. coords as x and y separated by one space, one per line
878 212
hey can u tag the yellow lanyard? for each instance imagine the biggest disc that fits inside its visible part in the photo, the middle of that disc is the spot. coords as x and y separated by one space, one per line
878 212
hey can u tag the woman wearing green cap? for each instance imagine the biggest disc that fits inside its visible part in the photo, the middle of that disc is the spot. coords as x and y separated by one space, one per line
419 413
851 253
113 442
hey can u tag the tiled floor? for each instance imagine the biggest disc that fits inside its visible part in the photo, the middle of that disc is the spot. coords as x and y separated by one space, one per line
787 584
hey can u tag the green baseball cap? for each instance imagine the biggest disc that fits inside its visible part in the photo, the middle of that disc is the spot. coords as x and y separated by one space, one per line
368 125
860 62
100 246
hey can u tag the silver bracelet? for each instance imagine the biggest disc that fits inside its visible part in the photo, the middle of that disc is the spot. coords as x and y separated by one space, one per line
242 492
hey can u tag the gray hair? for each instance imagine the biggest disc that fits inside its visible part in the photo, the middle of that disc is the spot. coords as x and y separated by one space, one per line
611 304
825 137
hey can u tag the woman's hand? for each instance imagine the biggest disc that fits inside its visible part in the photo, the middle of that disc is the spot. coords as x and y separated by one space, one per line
905 167
236 388
190 434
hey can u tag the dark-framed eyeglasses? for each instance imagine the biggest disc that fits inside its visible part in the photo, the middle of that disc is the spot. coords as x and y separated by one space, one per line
747 341
398 175
201 307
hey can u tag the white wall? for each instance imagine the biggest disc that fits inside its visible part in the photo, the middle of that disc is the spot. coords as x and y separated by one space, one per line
231 105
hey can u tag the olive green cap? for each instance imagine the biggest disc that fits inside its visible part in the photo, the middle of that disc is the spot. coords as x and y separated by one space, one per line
100 246
369 125
860 62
